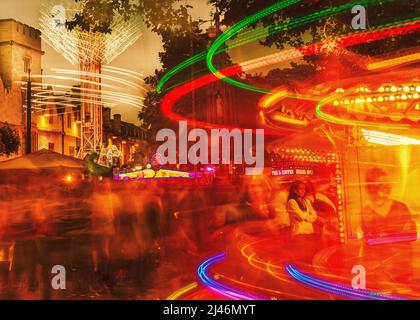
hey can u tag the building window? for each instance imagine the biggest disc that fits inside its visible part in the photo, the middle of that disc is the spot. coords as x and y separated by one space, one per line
26 64
69 120
51 146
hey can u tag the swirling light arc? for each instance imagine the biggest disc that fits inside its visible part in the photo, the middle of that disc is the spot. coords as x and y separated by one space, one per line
388 139
256 34
337 289
287 271
376 34
218 287
392 239
178 93
352 39
181 292
215 50
389 63
232 31
118 91
337 98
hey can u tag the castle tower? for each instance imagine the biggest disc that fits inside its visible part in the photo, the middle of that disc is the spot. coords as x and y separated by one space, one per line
20 50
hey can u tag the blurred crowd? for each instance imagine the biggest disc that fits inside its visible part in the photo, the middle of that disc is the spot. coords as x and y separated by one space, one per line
125 239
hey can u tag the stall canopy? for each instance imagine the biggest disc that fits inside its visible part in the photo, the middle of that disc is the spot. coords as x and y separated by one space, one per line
43 159
44 162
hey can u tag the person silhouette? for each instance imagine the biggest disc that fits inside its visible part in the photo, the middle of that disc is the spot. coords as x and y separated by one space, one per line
383 216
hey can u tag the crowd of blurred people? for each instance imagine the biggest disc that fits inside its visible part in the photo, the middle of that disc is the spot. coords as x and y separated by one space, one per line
119 239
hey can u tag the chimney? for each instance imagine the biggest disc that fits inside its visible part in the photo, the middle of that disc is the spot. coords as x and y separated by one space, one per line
116 124
106 116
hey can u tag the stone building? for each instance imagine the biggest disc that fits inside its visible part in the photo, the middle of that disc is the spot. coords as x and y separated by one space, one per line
127 137
53 128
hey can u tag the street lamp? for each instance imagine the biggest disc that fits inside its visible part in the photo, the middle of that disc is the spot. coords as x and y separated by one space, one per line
28 114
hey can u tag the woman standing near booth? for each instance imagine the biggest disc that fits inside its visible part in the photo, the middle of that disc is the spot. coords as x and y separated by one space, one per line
302 216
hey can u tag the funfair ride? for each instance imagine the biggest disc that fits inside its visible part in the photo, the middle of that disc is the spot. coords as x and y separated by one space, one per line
90 50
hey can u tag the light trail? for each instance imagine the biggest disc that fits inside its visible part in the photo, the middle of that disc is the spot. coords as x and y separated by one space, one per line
121 92
394 239
352 39
184 290
218 287
337 289
389 63
256 34
101 76
392 95
388 139
232 31
378 33
124 72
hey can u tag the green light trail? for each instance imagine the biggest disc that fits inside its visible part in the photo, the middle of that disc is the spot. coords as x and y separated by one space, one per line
281 27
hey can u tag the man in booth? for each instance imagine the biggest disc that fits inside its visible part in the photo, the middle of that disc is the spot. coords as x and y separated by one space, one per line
383 216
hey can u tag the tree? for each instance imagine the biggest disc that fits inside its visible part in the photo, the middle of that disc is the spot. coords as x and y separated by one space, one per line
98 15
178 45
379 14
9 140
181 36
318 68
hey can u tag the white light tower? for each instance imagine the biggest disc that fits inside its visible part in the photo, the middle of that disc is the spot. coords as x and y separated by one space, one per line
90 50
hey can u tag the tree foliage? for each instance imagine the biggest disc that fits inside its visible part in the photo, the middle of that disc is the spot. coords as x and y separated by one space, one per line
235 10
98 15
181 37
327 28
9 140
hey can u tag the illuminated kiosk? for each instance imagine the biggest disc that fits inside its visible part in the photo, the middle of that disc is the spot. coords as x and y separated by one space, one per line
369 121
320 167
373 125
